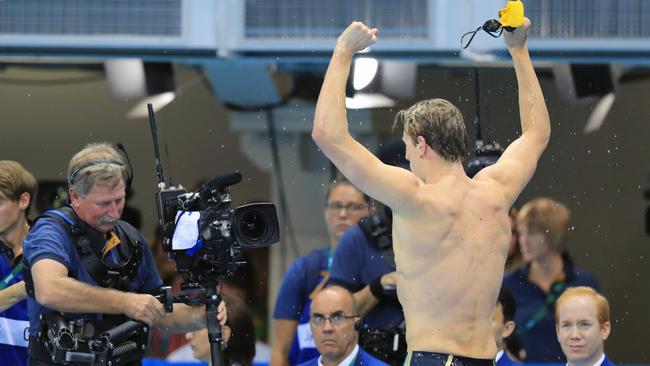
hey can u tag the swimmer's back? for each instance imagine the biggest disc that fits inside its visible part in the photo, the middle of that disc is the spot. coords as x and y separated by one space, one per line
450 254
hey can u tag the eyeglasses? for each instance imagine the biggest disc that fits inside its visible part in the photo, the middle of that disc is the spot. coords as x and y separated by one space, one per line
351 207
338 318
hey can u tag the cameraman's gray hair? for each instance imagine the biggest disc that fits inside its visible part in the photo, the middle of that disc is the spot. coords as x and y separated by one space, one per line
97 162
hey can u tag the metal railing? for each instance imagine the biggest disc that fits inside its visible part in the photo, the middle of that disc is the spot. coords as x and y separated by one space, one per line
594 19
91 17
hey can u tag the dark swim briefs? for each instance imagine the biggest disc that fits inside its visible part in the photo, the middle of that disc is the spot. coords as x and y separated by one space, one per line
416 358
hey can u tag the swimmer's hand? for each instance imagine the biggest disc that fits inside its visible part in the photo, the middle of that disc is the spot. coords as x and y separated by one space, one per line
356 37
517 38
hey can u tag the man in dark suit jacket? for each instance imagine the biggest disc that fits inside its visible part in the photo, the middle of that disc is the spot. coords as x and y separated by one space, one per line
334 325
583 326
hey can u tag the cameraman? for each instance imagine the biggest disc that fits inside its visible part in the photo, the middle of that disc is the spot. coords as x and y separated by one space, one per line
364 264
90 266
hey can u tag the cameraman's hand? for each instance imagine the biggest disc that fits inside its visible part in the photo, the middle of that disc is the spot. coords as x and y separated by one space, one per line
517 38
222 313
144 308
356 37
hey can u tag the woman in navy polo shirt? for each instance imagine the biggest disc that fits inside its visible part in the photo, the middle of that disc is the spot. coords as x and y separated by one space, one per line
543 225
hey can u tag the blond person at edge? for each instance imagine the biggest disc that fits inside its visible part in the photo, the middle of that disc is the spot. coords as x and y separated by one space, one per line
450 233
17 190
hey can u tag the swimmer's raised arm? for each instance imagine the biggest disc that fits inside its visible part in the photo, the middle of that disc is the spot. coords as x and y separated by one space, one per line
390 185
517 165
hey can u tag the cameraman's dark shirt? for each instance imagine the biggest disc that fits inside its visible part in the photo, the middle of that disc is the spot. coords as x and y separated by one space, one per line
356 263
48 239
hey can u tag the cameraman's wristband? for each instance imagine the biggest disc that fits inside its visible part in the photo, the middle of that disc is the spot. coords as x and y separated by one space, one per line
377 289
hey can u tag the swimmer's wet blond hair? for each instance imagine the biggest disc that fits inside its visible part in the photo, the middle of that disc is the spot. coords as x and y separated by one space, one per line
440 123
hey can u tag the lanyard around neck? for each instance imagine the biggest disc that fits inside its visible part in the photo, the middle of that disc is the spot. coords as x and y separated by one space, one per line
7 280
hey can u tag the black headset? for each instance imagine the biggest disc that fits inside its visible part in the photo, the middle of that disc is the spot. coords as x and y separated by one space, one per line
129 172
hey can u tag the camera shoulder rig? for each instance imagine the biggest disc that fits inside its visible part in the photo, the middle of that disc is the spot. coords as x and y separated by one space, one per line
377 229
88 342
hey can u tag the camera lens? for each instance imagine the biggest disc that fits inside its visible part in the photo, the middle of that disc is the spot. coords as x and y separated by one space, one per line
253 225
256 225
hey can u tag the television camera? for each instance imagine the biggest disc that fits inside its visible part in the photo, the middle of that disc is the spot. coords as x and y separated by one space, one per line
205 236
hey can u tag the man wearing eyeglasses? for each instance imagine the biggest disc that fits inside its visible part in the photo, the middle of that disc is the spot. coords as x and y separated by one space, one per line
334 323
345 205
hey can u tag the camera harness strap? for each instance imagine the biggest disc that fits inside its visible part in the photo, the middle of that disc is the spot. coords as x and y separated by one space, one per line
89 246
15 262
7 280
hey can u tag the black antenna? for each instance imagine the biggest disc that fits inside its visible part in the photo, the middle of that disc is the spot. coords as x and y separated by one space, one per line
169 166
477 98
485 154
159 170
156 150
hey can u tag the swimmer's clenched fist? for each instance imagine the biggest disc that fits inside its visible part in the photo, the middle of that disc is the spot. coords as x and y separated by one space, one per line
356 37
517 38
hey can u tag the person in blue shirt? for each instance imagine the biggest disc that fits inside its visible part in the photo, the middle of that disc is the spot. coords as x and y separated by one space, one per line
356 266
364 264
17 188
334 323
59 281
345 205
543 225
503 326
583 326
